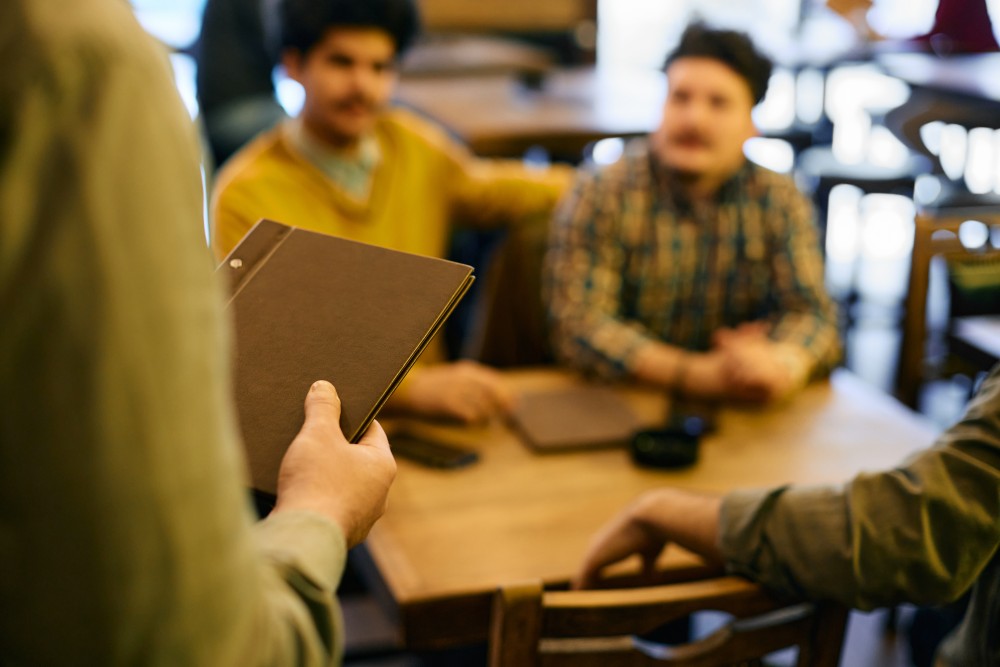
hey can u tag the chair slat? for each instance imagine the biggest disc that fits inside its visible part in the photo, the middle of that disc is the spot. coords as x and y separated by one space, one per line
603 627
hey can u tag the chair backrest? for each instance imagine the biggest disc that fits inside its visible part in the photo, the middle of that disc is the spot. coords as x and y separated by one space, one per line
973 282
935 233
513 328
535 628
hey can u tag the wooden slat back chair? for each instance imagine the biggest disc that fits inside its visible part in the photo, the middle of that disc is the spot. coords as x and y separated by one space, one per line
935 233
512 329
535 628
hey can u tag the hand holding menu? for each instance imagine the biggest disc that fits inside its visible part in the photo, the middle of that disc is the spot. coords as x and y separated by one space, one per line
309 307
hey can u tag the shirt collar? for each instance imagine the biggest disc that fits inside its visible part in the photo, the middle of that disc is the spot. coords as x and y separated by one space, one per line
351 171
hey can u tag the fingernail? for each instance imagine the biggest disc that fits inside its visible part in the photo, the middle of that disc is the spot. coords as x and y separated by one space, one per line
319 384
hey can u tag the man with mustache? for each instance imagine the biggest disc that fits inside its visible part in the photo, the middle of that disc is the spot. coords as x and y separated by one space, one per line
352 166
685 265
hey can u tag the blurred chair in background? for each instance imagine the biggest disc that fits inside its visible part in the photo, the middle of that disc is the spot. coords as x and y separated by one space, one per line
511 327
237 54
974 290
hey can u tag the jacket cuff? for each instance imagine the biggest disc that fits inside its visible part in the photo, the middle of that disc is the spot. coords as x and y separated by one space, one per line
307 542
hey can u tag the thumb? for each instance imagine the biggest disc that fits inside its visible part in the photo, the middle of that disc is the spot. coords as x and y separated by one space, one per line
722 337
322 405
584 579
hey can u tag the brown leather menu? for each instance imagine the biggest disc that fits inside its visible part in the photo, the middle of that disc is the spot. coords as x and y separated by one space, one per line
307 307
581 417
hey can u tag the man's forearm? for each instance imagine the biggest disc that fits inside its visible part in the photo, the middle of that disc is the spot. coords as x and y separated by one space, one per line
652 522
697 374
660 364
814 333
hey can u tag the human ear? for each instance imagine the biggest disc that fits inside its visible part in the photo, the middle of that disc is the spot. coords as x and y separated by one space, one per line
292 61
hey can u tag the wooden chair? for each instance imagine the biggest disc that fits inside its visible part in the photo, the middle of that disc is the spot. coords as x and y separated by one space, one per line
536 628
512 324
935 233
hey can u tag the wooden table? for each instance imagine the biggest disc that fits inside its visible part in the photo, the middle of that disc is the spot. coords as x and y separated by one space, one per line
449 538
473 55
500 115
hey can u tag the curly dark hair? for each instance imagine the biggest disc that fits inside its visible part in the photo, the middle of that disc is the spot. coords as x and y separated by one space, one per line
304 22
733 49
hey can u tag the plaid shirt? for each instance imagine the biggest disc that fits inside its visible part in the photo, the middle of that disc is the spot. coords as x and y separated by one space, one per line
630 261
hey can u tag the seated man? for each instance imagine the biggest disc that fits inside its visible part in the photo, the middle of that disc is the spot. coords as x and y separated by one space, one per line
925 532
685 265
350 166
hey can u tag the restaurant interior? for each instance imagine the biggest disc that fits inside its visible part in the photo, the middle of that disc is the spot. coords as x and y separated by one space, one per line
909 225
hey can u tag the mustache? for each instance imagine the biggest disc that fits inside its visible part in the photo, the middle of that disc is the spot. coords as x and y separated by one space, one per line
690 137
355 100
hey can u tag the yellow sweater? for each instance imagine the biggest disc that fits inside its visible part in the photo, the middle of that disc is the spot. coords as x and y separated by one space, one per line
424 182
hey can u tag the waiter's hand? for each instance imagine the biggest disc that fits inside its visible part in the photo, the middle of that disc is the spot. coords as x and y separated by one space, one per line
322 472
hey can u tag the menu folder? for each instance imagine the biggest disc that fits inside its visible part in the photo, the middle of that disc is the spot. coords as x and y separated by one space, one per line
578 417
308 306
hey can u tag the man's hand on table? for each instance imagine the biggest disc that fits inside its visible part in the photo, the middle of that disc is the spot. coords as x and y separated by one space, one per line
759 369
647 526
464 390
744 366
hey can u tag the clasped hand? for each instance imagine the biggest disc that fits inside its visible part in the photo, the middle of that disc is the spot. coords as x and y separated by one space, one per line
745 365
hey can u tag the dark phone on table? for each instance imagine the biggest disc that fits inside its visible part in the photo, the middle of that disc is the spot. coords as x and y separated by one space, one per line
430 453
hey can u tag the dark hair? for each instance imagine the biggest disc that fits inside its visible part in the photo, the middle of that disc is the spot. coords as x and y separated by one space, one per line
733 49
304 22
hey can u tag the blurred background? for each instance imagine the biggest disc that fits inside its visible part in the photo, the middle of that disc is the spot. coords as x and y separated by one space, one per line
824 120
886 112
